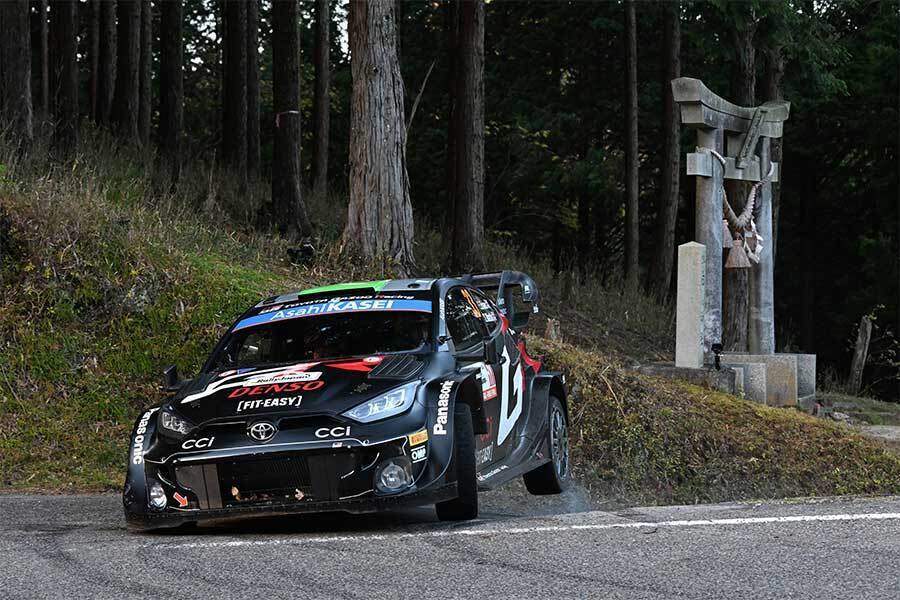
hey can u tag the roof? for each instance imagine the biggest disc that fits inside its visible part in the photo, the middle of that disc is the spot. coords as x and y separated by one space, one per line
384 285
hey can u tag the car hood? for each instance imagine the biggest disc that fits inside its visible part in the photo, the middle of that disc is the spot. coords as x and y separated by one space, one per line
326 387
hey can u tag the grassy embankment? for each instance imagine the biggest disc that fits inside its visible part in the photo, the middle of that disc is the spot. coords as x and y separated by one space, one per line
105 281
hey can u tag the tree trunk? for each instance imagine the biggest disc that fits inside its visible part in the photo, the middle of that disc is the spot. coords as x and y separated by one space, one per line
860 355
773 91
468 135
234 113
44 20
322 99
63 23
288 209
736 282
631 150
94 55
171 85
253 87
145 101
379 219
106 56
15 76
667 215
125 106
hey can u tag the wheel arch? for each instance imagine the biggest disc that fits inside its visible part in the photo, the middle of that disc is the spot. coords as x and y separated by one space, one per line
469 392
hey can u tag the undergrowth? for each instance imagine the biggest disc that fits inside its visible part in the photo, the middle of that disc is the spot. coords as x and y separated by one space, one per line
108 275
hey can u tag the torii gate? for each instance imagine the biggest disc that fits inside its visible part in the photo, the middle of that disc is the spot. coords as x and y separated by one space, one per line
741 138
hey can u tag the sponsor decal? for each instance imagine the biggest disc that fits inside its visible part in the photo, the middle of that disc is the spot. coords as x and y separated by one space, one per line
327 432
418 438
363 387
276 388
262 431
471 302
283 377
515 380
283 402
418 454
488 383
335 306
198 444
492 472
181 500
137 448
485 455
364 365
440 425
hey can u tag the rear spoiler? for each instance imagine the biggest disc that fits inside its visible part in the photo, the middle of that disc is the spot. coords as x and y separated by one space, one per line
502 284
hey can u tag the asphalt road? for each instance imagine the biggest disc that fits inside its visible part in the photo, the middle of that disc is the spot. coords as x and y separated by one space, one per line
77 547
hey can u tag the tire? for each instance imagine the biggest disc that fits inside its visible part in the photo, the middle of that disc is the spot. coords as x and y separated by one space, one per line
553 477
465 505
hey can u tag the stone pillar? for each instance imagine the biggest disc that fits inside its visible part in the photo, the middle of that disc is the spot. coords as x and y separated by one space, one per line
761 335
690 303
708 232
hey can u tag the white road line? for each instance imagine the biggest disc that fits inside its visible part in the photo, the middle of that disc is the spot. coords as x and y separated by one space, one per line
299 541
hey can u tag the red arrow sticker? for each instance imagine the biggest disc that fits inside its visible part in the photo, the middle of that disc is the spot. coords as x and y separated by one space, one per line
181 500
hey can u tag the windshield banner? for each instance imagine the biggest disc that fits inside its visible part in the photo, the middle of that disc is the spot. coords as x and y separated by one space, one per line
333 307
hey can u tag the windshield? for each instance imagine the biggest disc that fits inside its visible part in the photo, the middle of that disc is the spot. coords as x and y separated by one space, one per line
323 337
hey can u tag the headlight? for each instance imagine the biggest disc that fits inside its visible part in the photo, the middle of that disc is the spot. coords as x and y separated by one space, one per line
387 405
172 423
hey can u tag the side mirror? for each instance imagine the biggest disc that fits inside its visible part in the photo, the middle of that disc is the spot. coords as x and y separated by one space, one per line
490 352
519 320
171 382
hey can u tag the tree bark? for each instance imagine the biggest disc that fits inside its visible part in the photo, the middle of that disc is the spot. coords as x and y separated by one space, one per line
15 76
380 219
289 212
63 24
234 113
106 57
773 91
43 18
253 87
322 99
667 215
94 56
632 266
468 134
860 355
145 101
735 282
171 84
125 106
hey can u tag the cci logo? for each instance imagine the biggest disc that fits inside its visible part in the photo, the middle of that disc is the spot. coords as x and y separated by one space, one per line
325 432
199 443
261 431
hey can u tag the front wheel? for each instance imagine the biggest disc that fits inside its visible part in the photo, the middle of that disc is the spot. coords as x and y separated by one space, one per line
553 477
465 505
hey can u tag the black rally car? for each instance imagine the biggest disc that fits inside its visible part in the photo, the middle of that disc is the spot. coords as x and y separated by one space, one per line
356 397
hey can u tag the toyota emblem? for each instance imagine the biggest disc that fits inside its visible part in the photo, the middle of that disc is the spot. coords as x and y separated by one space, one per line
261 431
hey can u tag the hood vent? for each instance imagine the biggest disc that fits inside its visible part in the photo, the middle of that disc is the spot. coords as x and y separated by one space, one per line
397 366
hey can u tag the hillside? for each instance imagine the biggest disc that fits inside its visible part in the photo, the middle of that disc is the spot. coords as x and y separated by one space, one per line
105 281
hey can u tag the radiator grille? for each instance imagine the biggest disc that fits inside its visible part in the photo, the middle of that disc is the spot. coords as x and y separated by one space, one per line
247 481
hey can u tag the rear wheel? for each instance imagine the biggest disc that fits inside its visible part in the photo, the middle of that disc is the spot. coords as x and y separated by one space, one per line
553 477
465 505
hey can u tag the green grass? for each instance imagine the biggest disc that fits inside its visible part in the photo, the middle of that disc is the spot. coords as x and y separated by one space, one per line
106 280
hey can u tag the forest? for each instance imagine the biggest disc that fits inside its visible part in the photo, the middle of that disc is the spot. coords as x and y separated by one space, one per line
546 127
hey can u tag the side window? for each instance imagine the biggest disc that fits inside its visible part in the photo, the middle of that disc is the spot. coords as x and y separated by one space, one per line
464 321
489 313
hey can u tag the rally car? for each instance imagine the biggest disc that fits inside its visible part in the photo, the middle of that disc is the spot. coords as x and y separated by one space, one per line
356 397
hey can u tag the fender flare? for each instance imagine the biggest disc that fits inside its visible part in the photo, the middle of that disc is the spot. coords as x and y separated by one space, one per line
143 437
546 384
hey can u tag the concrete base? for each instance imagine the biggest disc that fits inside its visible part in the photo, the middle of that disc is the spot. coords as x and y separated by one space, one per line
727 380
781 375
806 375
754 380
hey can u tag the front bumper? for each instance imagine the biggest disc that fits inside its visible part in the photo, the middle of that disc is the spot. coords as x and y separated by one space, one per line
284 482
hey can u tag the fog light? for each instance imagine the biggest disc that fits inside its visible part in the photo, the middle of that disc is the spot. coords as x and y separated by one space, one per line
393 475
157 496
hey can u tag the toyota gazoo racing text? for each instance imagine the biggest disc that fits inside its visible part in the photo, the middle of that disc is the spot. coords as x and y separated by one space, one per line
356 397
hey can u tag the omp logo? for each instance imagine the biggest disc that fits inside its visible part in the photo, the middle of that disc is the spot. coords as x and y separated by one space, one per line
440 424
198 444
418 454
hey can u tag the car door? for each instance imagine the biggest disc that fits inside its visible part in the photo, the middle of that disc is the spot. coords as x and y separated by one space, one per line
502 382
